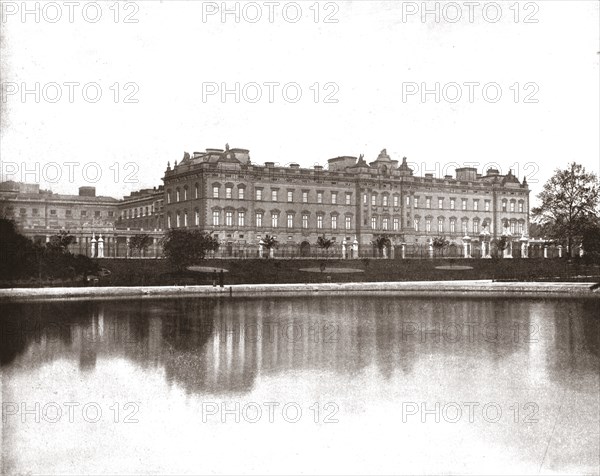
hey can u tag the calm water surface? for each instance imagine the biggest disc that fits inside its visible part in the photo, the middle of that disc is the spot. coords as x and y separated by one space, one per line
320 385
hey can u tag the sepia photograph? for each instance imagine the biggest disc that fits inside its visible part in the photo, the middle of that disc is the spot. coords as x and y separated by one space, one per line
312 237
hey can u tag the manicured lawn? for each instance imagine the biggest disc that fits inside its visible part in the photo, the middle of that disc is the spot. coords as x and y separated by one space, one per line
134 272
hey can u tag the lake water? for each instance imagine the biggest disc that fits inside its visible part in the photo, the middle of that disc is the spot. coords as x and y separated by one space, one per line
316 385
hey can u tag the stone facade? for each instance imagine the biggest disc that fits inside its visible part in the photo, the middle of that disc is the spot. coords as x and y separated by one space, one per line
352 202
224 193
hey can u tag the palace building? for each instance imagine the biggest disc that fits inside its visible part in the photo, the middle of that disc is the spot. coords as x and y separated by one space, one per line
352 202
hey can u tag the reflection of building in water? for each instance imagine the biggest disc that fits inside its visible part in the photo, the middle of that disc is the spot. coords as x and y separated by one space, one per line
223 346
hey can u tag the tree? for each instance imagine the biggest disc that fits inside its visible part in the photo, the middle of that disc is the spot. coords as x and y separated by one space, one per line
439 243
501 245
186 247
324 243
140 243
269 242
381 242
60 243
19 256
591 241
569 202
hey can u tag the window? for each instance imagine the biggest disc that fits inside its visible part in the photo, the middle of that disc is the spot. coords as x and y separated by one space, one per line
475 227
290 196
304 221
513 227
216 218
365 199
440 225
452 203
428 225
416 224
185 219
385 224
408 200
503 205
348 198
520 207
464 203
396 201
196 191
67 212
215 192
319 197
487 205
168 221
304 197
385 200
521 227
259 194
168 196
319 221
228 218
440 203
177 195
416 202
241 218
334 222
348 223
452 226
274 220
373 223
274 195
290 220
196 218
185 197
476 205
512 206
396 224
52 212
97 214
334 198
465 227
146 213
83 212
259 217
373 200
428 202
178 217
228 192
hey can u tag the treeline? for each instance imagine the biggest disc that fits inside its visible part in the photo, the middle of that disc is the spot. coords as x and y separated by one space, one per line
22 258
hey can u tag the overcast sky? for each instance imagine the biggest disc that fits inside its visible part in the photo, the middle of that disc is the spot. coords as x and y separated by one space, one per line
371 55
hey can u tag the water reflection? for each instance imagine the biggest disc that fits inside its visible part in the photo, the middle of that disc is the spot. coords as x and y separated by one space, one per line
365 353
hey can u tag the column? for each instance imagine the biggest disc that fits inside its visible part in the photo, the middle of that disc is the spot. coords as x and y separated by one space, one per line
524 248
344 249
100 247
466 247
403 250
355 248
430 248
93 246
260 248
560 251
545 251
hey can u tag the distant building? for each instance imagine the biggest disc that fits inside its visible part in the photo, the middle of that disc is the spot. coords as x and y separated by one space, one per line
222 192
41 214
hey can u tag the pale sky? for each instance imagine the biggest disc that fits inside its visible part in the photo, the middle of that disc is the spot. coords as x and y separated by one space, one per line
370 55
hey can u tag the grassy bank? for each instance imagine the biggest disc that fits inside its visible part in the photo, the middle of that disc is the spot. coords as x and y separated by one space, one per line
135 272
158 272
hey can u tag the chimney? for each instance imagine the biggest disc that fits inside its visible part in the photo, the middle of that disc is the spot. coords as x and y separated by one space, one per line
87 191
